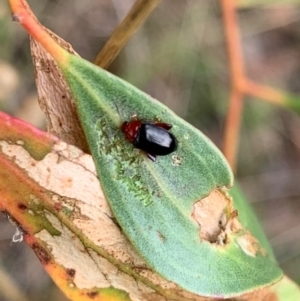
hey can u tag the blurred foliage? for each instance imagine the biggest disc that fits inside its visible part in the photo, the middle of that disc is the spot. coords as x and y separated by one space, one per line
249 3
179 57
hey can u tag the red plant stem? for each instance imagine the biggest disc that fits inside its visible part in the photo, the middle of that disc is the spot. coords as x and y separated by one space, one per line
236 66
232 128
265 93
22 14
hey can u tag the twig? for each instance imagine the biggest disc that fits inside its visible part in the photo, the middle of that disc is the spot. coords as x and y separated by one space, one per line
123 33
265 93
237 81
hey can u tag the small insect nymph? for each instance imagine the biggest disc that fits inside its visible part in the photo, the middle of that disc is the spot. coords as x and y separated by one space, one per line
151 137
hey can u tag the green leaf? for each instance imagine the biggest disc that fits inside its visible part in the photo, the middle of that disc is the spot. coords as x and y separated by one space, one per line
286 290
154 203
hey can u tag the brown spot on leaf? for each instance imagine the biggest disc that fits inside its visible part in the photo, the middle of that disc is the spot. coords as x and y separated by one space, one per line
22 206
161 236
57 206
71 272
15 18
41 253
92 295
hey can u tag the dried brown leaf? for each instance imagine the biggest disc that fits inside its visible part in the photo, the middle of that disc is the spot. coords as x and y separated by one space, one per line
55 97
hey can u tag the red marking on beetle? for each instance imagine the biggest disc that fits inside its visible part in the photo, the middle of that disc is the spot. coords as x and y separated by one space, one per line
131 129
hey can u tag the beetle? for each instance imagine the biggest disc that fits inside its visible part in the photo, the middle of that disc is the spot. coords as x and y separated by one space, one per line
151 137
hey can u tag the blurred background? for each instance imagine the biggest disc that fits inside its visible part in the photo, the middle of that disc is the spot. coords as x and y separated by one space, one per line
179 57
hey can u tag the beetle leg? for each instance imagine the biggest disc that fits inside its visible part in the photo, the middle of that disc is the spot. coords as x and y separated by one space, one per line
163 125
151 157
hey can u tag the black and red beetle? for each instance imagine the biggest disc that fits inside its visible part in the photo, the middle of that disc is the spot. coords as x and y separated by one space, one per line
151 137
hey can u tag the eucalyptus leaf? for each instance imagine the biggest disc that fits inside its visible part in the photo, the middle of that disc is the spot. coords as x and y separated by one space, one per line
154 202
